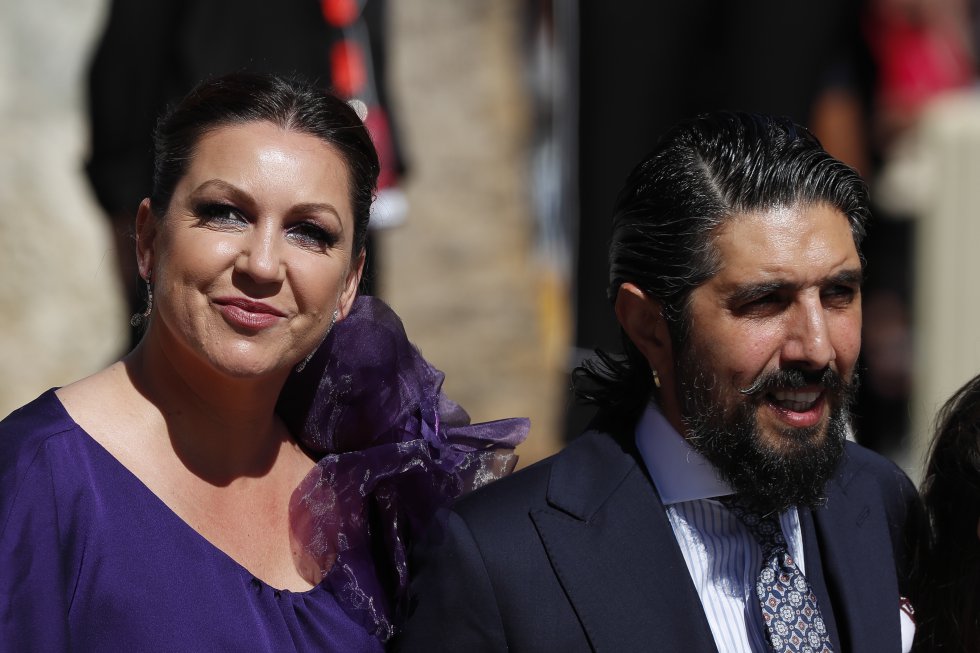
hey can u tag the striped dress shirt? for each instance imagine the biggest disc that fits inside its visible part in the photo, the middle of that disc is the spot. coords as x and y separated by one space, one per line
722 556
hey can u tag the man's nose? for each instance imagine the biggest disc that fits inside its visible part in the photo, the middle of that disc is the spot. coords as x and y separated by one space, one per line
808 341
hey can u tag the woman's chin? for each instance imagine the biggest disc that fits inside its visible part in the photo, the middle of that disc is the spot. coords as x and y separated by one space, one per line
249 363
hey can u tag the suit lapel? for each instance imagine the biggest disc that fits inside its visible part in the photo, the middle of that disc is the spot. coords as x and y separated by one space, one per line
612 548
815 575
858 563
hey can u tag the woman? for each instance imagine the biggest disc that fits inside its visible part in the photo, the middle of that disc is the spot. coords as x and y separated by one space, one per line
164 503
948 570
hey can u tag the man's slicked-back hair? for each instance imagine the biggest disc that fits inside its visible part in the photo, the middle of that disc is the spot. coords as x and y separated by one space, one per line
702 173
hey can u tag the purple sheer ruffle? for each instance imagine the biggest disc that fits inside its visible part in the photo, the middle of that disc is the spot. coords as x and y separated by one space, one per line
395 451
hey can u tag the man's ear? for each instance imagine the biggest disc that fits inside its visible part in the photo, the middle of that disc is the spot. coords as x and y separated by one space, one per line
642 318
349 292
146 233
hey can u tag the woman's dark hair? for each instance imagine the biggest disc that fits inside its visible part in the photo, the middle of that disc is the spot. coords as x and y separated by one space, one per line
701 173
947 574
291 104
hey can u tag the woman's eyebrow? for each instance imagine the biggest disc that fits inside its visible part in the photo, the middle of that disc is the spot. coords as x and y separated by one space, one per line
316 207
305 207
222 186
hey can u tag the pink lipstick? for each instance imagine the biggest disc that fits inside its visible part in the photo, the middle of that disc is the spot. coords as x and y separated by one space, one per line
248 314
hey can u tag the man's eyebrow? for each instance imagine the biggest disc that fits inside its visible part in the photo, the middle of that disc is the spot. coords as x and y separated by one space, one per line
751 291
852 277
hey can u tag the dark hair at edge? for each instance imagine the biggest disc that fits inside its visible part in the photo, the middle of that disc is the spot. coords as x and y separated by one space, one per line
289 103
701 173
947 569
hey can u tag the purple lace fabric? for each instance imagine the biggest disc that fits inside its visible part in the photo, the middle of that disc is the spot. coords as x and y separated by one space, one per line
395 450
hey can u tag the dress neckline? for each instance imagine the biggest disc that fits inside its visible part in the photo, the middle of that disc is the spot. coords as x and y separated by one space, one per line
169 512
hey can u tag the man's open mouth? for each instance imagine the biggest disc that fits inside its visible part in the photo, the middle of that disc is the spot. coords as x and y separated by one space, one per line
795 400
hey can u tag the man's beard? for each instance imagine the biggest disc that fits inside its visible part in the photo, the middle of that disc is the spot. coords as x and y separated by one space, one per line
723 427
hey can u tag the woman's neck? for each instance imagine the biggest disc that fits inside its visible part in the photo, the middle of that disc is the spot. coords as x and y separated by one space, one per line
221 427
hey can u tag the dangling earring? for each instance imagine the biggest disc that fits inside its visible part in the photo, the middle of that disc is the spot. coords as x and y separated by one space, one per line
333 321
656 379
139 319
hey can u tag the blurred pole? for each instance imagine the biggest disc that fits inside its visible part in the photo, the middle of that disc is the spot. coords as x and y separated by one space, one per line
945 170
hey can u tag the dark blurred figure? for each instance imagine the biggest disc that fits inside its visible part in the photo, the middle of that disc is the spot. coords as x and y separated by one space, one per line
920 49
948 573
152 53
645 66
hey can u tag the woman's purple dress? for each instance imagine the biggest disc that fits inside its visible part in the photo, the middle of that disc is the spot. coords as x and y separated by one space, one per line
91 560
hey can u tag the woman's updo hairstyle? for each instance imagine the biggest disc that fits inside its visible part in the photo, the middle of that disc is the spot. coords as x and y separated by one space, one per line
240 98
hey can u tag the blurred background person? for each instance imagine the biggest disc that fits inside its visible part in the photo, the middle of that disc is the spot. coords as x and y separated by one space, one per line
921 51
925 138
947 608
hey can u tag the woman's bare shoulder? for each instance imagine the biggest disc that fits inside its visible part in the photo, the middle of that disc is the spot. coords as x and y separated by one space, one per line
106 404
104 385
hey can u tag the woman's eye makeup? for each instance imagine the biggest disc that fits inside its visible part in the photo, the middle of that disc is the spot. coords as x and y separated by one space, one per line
312 235
218 214
307 232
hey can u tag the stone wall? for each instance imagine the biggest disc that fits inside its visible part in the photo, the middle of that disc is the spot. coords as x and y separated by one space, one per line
60 304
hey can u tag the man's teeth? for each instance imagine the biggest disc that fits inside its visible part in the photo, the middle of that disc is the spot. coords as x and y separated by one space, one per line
795 400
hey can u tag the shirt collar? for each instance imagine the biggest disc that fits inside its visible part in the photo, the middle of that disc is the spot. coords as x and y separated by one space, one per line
678 471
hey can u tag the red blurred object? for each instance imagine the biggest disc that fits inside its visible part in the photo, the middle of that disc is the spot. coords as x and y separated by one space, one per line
340 13
351 78
377 125
347 66
917 60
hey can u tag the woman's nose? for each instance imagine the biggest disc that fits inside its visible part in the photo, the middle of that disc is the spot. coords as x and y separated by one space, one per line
261 257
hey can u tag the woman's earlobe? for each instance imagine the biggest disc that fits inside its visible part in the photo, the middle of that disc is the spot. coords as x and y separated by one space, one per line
146 231
349 293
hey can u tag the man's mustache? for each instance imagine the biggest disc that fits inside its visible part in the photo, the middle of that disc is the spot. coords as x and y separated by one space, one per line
794 378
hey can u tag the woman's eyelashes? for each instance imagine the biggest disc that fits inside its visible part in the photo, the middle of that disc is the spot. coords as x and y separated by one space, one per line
218 214
312 235
307 232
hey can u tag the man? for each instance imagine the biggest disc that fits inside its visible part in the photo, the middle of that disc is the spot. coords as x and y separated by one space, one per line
715 504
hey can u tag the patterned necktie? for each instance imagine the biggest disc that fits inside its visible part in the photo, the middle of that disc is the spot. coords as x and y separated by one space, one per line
789 607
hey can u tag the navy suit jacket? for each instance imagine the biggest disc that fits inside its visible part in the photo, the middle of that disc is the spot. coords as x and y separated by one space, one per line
576 554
